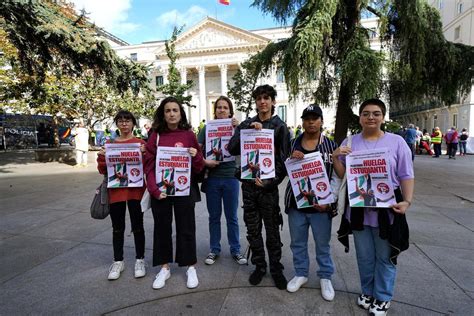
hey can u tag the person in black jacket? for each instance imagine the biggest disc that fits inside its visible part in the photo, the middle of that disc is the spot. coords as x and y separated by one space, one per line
260 197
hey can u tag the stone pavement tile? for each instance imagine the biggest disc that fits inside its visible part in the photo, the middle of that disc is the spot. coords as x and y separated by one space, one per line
200 303
270 301
5 235
439 200
434 230
421 283
74 283
462 216
77 202
75 227
450 260
21 221
19 254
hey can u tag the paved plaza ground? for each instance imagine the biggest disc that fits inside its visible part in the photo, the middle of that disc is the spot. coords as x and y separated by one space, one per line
54 258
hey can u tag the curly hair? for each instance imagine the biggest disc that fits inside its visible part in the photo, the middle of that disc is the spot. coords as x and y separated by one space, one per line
159 124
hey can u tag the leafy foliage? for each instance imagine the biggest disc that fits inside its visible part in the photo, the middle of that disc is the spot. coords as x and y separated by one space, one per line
174 87
245 80
329 40
49 35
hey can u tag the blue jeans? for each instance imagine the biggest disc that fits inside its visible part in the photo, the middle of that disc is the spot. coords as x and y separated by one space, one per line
377 273
320 224
223 190
462 147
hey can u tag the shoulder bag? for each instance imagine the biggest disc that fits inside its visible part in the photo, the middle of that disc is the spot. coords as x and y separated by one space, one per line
100 203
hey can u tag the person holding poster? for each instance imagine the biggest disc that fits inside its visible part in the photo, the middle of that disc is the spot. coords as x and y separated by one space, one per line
380 234
171 126
260 196
222 188
122 196
317 216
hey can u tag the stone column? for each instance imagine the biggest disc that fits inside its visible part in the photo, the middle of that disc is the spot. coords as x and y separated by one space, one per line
183 72
223 68
165 72
202 93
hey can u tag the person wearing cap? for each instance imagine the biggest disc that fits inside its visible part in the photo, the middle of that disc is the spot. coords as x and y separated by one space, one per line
318 217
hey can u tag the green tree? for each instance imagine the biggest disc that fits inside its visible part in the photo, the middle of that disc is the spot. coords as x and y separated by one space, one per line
329 38
245 80
174 87
49 35
68 79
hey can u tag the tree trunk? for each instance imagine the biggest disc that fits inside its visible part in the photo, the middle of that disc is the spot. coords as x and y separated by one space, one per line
343 113
346 90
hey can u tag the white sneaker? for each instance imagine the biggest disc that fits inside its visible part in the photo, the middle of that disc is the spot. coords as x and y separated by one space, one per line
140 268
295 283
161 278
115 269
193 281
327 291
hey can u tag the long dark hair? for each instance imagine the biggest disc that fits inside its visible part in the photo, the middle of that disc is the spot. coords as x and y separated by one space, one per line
159 124
229 103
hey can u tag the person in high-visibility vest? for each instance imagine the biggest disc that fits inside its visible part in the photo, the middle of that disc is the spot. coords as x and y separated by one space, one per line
436 139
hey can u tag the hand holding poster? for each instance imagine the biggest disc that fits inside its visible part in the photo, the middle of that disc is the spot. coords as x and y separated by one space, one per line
257 156
309 180
124 165
218 134
369 181
173 170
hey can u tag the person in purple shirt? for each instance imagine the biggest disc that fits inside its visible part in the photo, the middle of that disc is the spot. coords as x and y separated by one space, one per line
377 245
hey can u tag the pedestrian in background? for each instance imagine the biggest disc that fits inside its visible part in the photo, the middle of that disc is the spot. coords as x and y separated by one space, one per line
120 199
171 126
410 138
463 142
222 188
452 140
436 139
81 140
379 234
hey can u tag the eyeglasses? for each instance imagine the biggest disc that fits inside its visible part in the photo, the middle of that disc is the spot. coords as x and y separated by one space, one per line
367 114
124 122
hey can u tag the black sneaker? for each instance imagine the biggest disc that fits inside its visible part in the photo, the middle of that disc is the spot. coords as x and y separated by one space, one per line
211 258
239 258
379 308
280 280
257 276
365 301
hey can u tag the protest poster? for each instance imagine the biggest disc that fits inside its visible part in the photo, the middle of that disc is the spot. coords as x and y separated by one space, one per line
309 180
257 154
173 170
369 181
124 165
218 134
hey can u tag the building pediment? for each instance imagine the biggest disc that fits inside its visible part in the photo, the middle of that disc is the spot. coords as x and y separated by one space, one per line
211 35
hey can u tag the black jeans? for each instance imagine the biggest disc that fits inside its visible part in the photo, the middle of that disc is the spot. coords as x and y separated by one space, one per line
261 209
117 214
437 149
183 207
452 149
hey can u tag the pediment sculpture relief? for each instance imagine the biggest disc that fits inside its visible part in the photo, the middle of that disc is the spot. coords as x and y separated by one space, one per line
208 38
